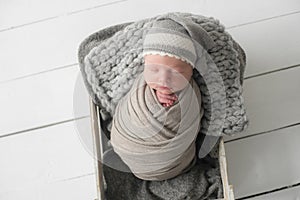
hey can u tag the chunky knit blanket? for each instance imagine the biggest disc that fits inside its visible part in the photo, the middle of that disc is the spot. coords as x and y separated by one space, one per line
157 143
112 60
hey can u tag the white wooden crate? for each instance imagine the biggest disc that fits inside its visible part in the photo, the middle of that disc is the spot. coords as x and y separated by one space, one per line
98 152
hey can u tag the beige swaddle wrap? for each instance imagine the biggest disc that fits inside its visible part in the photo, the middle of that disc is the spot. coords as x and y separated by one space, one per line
156 143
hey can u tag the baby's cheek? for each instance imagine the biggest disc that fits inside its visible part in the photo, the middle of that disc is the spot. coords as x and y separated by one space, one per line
182 82
151 85
148 78
179 85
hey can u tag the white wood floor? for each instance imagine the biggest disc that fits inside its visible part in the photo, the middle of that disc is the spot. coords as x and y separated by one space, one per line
45 144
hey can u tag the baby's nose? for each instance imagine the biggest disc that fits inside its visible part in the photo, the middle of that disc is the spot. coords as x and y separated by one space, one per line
164 77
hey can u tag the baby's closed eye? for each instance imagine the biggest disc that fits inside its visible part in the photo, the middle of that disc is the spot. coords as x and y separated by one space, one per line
154 70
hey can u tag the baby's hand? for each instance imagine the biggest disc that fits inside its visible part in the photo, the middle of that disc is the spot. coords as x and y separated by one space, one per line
166 99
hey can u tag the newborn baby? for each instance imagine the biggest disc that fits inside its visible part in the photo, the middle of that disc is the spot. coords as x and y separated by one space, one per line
154 142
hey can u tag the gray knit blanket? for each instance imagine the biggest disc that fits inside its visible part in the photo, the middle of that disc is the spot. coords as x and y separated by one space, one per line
112 60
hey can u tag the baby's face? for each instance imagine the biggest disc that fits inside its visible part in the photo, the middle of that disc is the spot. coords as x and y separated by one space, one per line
166 74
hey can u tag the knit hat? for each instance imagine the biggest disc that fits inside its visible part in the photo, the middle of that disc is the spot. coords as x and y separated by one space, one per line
166 37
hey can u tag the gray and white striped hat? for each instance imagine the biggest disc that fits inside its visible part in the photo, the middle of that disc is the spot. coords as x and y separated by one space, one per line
166 37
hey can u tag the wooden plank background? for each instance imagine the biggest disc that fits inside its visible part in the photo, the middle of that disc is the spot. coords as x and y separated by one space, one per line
45 143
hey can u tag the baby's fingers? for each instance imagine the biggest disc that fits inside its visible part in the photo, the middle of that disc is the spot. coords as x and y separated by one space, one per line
164 100
166 104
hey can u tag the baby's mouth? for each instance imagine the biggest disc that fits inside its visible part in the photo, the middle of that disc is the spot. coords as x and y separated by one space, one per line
164 88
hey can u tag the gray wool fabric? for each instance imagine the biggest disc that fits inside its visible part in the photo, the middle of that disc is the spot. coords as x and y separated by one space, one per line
109 68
